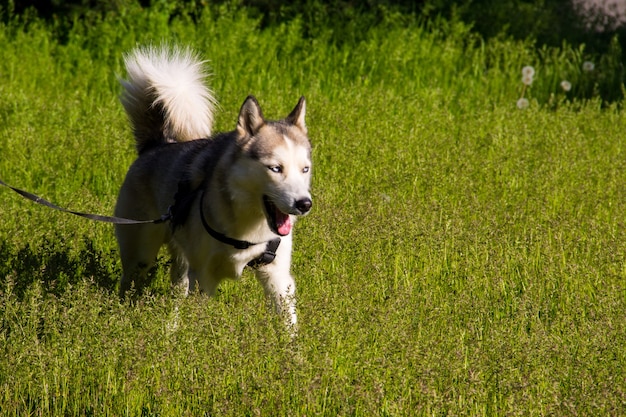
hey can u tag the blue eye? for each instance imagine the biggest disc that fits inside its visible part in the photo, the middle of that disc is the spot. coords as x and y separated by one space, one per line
305 169
276 168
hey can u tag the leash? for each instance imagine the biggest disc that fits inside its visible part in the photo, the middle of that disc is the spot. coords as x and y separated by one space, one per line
265 258
96 217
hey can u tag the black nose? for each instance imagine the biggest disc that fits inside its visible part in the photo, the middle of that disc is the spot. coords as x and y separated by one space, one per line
304 205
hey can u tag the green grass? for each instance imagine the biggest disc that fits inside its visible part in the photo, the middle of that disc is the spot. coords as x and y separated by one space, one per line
463 257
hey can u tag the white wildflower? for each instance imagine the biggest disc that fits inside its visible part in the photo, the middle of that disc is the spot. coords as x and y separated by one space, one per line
588 66
527 79
566 85
522 103
528 71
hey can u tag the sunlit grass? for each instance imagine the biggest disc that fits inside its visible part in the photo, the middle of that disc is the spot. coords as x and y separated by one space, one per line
463 257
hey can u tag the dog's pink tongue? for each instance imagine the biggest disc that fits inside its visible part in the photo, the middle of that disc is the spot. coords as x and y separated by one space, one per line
283 223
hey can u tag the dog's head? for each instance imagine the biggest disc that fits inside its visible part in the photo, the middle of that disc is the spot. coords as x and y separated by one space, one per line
276 159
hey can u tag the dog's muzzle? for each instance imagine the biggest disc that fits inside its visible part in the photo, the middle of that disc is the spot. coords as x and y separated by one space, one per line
280 222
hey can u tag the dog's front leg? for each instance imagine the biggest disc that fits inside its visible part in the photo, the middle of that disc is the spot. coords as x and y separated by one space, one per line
203 278
280 289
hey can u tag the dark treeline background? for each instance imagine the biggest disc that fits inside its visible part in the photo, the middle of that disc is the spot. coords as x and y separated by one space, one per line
551 23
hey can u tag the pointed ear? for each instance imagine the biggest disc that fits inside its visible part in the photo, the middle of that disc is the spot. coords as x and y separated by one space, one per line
250 118
296 117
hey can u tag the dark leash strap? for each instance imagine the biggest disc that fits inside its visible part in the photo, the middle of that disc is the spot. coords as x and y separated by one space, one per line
96 217
265 258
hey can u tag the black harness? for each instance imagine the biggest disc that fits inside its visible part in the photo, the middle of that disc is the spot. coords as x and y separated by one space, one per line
267 257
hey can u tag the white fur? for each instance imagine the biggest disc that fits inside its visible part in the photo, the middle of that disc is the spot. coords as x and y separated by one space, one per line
174 79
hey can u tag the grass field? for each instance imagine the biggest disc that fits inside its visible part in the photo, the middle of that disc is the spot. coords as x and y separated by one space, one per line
463 256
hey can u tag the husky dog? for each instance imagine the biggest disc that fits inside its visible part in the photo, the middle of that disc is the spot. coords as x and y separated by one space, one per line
232 198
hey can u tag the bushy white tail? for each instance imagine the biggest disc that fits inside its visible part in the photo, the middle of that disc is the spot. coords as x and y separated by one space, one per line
165 96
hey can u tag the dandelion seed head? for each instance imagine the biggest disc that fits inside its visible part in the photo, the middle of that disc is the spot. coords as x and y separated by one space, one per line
566 85
522 103
527 79
588 66
528 71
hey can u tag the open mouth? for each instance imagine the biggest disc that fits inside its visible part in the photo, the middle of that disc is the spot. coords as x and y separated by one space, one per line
279 222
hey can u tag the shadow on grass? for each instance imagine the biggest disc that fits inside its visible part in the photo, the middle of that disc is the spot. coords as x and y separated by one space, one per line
57 266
